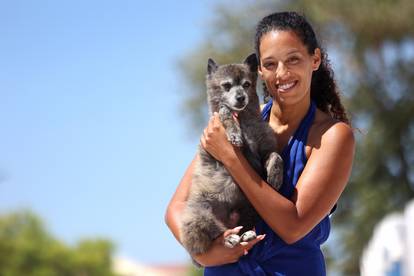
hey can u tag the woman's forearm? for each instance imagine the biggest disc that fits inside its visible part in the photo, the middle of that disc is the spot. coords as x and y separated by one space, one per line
173 217
319 187
272 206
178 202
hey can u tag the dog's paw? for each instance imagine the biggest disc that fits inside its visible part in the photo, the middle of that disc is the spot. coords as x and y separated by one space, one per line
248 236
274 168
275 179
235 140
231 240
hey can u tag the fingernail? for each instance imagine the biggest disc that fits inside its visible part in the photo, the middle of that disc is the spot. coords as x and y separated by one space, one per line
238 228
244 243
245 252
261 237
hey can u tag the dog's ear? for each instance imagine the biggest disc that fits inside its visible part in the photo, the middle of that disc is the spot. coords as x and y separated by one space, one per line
251 61
211 66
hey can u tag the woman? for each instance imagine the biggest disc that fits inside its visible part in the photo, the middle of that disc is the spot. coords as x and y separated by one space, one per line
317 146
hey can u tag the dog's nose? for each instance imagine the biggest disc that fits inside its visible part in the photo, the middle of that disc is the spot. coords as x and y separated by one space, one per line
240 98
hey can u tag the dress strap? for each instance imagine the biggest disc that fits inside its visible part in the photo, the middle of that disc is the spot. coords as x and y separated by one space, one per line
266 111
294 156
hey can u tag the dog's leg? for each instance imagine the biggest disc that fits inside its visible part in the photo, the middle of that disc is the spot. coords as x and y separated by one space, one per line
274 169
271 160
248 219
199 228
233 131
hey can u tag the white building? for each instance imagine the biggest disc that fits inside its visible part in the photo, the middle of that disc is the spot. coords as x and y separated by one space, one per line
390 252
127 267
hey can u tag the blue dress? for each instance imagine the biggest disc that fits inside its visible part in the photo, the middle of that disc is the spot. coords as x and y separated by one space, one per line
273 256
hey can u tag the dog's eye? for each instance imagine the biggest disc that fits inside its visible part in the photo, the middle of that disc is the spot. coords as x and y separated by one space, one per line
246 84
226 86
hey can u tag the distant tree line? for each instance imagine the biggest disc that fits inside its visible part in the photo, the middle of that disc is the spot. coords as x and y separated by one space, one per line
26 248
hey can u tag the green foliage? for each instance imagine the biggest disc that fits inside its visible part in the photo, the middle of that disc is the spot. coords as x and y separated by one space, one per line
26 248
230 39
372 43
194 271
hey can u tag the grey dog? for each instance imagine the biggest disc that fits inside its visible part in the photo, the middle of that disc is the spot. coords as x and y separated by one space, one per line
215 201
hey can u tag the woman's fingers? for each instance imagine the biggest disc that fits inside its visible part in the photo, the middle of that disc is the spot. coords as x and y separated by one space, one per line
210 125
203 139
243 247
235 230
207 132
216 121
252 243
232 255
246 246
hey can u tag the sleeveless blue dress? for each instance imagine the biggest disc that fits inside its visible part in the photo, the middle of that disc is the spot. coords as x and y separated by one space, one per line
273 256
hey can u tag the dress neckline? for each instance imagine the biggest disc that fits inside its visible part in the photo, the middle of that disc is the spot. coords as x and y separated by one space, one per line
301 132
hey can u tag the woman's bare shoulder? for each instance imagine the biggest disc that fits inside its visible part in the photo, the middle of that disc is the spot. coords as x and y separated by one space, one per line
328 130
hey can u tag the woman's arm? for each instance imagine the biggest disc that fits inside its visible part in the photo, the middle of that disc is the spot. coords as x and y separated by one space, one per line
321 183
218 254
178 201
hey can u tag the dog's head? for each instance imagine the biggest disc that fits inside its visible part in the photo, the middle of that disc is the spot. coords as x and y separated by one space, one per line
233 85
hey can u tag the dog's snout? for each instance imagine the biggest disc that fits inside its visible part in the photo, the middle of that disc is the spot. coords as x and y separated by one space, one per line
240 98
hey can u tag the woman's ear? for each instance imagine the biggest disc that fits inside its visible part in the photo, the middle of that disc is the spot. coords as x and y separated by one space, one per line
316 59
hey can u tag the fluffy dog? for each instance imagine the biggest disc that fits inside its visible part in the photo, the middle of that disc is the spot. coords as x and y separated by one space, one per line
215 202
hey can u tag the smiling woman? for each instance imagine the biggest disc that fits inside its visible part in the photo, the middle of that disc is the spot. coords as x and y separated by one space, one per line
316 143
299 50
287 66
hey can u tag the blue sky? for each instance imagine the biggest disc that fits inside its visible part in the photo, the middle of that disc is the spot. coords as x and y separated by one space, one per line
92 140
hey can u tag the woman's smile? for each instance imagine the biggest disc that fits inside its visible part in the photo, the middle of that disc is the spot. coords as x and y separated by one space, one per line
286 87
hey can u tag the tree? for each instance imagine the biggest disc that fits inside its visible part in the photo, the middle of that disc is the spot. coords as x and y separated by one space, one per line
193 271
372 48
26 248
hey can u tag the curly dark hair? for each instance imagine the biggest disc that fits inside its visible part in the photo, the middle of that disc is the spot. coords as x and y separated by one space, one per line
324 91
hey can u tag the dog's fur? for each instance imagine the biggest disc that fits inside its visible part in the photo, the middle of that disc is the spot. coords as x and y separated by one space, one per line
215 202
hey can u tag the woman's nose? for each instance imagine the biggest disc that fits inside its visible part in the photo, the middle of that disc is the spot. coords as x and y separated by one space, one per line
281 71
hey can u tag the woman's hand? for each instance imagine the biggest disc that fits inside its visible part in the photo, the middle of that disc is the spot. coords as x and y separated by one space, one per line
214 140
218 254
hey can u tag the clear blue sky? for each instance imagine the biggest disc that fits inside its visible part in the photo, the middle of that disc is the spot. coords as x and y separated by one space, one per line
91 138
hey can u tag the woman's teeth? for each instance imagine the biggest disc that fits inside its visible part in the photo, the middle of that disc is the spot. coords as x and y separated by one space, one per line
286 86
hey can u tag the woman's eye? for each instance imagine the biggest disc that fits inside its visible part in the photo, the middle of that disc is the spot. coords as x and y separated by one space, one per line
293 60
246 85
226 86
269 66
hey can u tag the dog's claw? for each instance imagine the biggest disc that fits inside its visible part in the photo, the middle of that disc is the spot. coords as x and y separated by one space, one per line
248 236
231 240
236 140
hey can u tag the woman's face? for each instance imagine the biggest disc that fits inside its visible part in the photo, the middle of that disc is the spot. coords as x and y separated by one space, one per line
286 66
